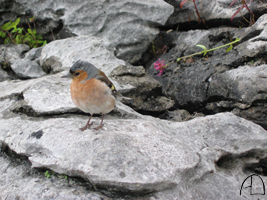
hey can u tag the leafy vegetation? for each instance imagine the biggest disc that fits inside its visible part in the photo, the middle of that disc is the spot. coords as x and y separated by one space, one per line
160 66
48 174
205 50
11 33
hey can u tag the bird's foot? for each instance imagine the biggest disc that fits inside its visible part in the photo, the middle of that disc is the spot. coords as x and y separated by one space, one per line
87 126
99 127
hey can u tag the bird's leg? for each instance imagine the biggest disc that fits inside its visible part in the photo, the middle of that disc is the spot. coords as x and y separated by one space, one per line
101 124
87 124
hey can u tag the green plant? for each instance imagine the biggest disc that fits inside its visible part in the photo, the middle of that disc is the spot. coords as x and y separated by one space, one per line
11 33
205 50
48 174
64 176
160 65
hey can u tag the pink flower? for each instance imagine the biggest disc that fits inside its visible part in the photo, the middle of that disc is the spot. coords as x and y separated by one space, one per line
159 65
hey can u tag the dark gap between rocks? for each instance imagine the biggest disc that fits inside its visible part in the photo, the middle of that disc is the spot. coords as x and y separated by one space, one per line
214 23
251 35
16 97
28 111
259 102
120 192
216 99
258 168
15 158
7 68
154 114
230 161
60 26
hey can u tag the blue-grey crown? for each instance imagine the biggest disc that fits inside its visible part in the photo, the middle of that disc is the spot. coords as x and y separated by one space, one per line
90 69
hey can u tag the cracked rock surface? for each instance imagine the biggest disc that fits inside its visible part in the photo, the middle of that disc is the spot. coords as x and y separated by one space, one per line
137 19
141 156
44 155
19 181
221 81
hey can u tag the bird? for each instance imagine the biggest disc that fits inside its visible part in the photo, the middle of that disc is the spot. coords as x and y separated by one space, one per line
91 91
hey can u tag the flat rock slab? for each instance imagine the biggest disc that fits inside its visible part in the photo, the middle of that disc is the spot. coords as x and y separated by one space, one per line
137 155
60 55
50 95
132 154
46 95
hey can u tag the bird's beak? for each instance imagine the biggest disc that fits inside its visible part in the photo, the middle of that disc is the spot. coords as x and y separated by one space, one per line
68 75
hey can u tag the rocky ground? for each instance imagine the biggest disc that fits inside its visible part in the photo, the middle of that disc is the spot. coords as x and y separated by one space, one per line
195 132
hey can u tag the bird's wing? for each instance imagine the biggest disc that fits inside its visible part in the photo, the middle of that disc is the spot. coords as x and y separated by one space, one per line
102 77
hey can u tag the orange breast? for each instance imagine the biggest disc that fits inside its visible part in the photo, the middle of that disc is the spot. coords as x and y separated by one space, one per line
92 96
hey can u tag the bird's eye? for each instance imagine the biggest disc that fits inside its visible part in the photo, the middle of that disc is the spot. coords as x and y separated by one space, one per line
77 73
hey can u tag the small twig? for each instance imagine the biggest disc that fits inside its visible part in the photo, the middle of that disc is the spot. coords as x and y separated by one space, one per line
198 12
52 34
9 35
194 1
28 23
244 18
32 32
246 6
34 24
263 4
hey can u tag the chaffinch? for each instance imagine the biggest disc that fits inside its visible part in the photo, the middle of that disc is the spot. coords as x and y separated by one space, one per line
91 90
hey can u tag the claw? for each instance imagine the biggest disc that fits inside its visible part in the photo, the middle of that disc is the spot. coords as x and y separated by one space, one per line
99 127
87 126
101 123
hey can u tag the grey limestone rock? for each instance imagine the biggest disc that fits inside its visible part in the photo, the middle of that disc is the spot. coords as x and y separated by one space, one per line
169 159
242 90
246 84
19 181
29 67
213 84
130 25
142 89
60 55
133 156
23 62
4 75
11 52
213 12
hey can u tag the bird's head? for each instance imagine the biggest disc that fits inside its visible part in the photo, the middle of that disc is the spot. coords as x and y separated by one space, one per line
82 70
